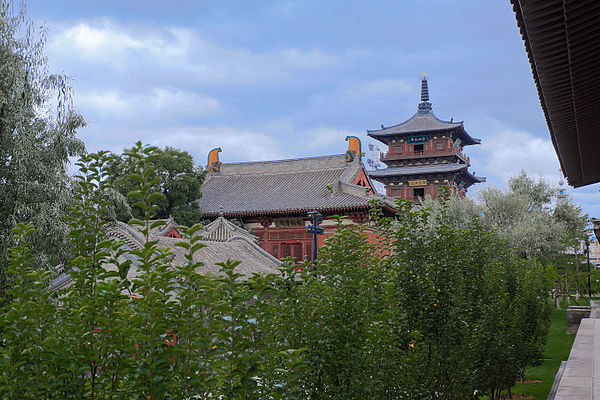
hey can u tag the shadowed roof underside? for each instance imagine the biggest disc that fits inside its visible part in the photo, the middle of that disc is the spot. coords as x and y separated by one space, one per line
562 40
425 170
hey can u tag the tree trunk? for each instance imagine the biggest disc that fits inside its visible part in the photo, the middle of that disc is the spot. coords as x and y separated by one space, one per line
577 273
567 287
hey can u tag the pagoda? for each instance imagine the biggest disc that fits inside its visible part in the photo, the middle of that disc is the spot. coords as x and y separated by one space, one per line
423 154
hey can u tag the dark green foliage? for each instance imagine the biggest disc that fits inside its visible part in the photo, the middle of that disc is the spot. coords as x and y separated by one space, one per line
431 311
178 179
26 324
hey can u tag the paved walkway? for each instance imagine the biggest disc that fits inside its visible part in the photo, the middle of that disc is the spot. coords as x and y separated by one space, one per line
581 374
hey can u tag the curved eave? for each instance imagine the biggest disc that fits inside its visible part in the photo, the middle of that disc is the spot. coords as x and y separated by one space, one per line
562 43
387 134
296 211
475 179
417 170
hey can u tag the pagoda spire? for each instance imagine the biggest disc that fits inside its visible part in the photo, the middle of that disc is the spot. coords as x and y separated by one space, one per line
424 105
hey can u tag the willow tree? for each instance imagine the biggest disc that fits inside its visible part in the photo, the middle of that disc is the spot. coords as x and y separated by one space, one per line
38 126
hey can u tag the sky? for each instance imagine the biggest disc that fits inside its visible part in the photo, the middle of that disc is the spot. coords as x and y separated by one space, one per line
268 80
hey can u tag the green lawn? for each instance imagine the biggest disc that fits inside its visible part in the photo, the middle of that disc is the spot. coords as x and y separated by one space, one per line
557 349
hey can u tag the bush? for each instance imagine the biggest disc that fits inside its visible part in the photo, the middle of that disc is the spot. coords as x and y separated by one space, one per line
430 311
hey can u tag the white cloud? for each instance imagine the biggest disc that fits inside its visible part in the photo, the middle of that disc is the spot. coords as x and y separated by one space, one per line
325 136
158 103
175 53
509 151
237 144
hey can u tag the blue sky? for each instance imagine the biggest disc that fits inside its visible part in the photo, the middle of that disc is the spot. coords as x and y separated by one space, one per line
282 79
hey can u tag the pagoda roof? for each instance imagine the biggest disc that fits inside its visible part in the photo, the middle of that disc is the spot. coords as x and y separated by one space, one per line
286 186
419 122
423 170
424 120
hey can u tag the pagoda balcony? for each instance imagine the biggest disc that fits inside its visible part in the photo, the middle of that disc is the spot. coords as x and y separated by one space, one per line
390 156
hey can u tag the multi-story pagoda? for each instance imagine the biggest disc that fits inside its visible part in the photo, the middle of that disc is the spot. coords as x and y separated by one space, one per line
423 154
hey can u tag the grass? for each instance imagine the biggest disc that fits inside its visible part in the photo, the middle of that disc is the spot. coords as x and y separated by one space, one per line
558 347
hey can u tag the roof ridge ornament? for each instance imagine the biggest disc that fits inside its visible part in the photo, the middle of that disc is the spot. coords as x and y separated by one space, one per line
214 165
424 106
354 149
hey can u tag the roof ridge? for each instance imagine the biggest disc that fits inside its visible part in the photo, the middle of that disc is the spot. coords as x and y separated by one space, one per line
294 165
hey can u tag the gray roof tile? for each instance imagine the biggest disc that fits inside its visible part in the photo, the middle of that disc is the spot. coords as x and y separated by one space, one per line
283 186
423 169
423 121
417 169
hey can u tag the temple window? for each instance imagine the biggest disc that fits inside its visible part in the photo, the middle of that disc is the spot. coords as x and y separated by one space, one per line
396 192
418 149
418 193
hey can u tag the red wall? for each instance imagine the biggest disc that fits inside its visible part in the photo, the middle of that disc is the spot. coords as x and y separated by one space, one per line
282 242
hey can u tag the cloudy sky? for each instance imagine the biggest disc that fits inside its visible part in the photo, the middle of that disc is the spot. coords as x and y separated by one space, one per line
283 79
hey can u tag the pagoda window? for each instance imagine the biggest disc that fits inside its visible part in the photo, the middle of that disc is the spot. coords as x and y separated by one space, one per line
418 149
276 251
397 149
439 145
418 193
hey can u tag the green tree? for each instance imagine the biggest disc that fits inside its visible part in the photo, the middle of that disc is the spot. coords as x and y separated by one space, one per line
522 214
36 141
179 180
572 230
26 323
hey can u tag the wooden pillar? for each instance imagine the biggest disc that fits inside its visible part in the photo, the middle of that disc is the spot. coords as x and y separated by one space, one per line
432 191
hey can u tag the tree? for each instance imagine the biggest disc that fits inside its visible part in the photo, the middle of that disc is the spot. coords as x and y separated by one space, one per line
573 224
432 311
179 181
36 141
522 215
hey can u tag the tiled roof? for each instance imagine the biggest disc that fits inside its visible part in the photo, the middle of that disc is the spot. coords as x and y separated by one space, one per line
162 230
422 170
222 230
417 169
223 241
282 166
420 122
283 186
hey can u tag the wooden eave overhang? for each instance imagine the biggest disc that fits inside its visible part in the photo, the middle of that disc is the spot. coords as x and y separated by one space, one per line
299 212
562 41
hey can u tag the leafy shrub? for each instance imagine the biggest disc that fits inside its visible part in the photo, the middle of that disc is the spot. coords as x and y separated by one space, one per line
430 311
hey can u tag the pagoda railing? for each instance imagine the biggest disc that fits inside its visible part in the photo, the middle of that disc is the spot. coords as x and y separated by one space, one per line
390 156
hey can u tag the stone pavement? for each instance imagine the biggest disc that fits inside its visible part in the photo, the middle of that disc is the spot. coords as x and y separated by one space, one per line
581 374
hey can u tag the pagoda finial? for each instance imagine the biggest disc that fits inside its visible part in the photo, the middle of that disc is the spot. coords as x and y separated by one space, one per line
424 105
